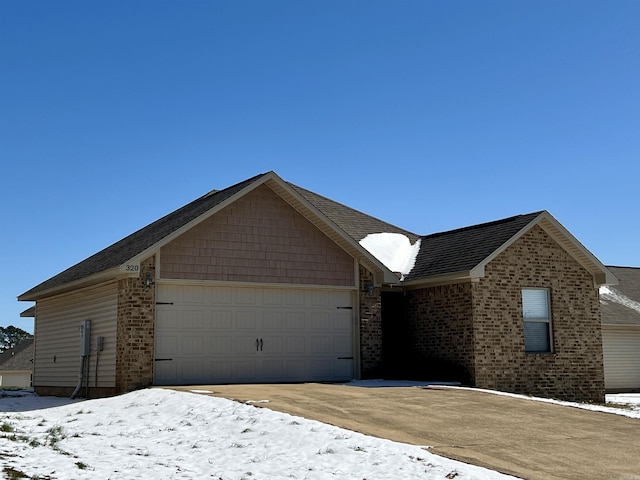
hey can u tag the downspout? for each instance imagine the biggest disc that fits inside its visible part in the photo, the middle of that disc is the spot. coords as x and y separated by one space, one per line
80 378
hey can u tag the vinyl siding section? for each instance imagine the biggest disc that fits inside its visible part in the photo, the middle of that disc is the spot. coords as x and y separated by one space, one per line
621 349
57 333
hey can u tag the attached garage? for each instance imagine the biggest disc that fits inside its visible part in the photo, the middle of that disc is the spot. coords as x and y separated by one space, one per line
621 349
620 308
249 334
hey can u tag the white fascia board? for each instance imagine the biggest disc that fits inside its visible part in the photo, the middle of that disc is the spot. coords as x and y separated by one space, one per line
601 274
546 221
94 279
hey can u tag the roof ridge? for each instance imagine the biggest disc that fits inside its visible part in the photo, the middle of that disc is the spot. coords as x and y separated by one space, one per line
359 212
484 224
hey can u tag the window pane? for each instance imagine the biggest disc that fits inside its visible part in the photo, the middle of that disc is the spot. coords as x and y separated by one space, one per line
536 337
535 304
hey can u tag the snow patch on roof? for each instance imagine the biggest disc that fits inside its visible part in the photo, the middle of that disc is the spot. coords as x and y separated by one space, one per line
608 294
394 250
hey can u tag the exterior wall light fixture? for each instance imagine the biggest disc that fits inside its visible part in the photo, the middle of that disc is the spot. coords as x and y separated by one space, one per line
148 280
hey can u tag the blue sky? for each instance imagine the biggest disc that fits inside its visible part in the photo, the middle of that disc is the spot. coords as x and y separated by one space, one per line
431 115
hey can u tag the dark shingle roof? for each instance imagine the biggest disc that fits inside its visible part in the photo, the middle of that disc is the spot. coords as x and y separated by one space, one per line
448 252
463 249
136 243
617 307
18 358
354 223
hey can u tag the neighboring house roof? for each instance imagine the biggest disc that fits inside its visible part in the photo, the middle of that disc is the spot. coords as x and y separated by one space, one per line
459 253
19 358
620 304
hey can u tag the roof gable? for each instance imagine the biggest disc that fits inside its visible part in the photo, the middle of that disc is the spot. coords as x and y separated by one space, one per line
150 238
460 253
139 241
464 253
463 249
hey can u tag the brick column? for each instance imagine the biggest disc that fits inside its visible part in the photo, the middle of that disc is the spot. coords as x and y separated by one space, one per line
370 326
135 331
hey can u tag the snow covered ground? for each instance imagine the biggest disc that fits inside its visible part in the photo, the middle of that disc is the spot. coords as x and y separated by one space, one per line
164 434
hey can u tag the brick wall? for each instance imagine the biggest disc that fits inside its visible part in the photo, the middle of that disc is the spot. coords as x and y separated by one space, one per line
135 330
370 326
574 370
259 238
480 327
441 332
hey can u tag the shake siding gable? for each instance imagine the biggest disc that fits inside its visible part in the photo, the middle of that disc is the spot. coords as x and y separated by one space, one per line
259 238
57 333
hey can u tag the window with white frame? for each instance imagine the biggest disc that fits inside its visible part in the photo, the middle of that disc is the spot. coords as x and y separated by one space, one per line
537 320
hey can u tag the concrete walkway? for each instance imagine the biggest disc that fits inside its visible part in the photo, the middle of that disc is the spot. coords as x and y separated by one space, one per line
528 439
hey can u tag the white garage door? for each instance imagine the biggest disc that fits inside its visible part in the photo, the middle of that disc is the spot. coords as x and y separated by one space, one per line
621 350
223 334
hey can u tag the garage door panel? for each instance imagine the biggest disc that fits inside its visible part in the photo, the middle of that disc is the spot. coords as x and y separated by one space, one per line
320 321
246 320
192 346
212 334
295 320
221 344
167 320
342 345
246 344
193 320
220 370
221 319
221 296
272 320
297 370
271 345
621 352
245 370
295 297
166 345
193 295
272 297
295 345
246 296
167 371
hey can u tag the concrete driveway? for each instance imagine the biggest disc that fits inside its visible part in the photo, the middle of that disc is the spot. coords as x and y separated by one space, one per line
528 439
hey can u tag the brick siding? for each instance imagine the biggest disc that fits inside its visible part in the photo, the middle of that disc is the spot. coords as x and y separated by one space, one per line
440 322
574 371
135 331
370 326
479 325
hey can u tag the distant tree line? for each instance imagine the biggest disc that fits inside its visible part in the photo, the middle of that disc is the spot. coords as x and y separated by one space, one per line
11 336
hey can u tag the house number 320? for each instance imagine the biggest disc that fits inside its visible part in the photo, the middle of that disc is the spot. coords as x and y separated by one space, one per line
131 268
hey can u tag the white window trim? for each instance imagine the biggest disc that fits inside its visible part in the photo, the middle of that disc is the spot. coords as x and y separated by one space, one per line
547 320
